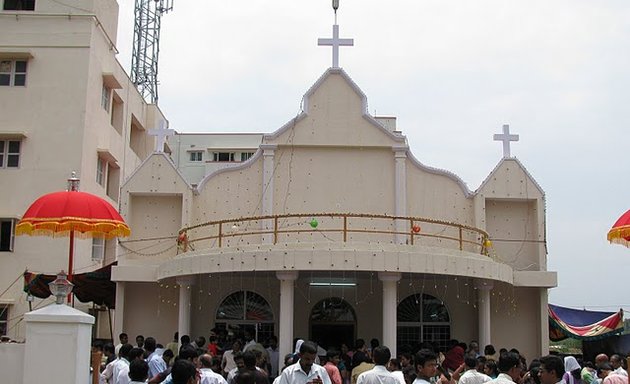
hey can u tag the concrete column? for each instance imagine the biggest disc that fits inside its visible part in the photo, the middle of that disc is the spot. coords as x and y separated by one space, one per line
285 333
267 189
65 332
543 343
119 312
400 191
390 290
483 292
185 293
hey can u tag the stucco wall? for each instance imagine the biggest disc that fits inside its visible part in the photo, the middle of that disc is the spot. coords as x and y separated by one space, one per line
150 217
512 226
436 197
516 324
154 309
230 194
12 363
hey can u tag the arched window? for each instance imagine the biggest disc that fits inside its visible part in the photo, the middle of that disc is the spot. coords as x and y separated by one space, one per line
421 318
333 322
246 310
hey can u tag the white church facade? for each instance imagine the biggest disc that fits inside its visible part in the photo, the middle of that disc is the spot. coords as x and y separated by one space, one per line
334 231
328 228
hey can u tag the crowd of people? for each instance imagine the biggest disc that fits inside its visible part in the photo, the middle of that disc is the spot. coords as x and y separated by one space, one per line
246 361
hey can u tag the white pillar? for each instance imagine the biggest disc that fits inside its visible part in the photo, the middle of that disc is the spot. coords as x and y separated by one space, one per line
400 191
285 333
119 312
483 293
267 189
390 290
185 293
544 322
64 332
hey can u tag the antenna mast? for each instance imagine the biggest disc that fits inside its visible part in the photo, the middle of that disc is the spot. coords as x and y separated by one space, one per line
146 46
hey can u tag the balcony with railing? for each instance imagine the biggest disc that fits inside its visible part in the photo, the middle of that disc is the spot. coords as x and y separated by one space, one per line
318 228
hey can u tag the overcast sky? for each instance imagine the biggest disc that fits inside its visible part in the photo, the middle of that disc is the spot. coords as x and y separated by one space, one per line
452 72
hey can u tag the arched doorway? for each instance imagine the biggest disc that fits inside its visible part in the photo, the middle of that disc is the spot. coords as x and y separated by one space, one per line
421 318
245 310
333 322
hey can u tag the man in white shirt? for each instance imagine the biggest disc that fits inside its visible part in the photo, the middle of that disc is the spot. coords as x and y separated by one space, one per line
551 369
615 361
123 374
305 371
274 356
472 376
124 339
510 369
379 374
426 366
227 362
156 362
120 363
208 376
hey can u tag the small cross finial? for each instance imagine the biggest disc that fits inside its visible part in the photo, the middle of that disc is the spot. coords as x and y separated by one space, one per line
161 133
505 137
335 43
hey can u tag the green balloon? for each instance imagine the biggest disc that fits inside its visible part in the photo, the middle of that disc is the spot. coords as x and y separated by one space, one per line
314 223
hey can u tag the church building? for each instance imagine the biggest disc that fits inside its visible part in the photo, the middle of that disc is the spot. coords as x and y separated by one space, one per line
332 230
328 228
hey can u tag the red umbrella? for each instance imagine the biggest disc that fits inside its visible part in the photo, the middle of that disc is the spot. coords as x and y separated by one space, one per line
71 213
620 231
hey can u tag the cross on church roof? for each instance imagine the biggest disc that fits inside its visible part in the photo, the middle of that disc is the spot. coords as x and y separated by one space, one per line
505 137
161 133
335 43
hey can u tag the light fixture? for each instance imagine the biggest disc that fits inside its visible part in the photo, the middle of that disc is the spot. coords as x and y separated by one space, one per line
332 284
60 287
327 282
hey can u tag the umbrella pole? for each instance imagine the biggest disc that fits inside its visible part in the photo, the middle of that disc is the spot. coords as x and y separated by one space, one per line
70 261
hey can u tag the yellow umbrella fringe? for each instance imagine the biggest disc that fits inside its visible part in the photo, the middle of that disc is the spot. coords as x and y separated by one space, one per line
619 234
81 229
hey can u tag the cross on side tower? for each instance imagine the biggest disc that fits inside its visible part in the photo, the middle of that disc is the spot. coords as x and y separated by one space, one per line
161 133
505 137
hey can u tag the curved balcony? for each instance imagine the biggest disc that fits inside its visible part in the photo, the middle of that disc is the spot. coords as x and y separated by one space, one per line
333 227
334 242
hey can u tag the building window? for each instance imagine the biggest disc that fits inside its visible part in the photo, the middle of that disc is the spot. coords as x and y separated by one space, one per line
98 249
19 5
106 96
223 156
12 73
246 311
246 155
196 156
101 171
10 153
7 233
4 319
423 318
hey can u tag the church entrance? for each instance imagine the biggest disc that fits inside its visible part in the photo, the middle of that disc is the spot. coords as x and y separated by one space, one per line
332 323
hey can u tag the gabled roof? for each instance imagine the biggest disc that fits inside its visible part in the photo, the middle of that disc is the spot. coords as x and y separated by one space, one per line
145 161
313 89
499 164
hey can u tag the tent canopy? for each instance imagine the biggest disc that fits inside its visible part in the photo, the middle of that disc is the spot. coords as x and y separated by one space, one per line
582 324
95 286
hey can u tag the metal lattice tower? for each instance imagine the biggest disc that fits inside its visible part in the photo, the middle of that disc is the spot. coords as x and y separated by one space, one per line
146 46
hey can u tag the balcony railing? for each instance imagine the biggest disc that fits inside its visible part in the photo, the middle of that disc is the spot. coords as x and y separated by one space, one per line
332 227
